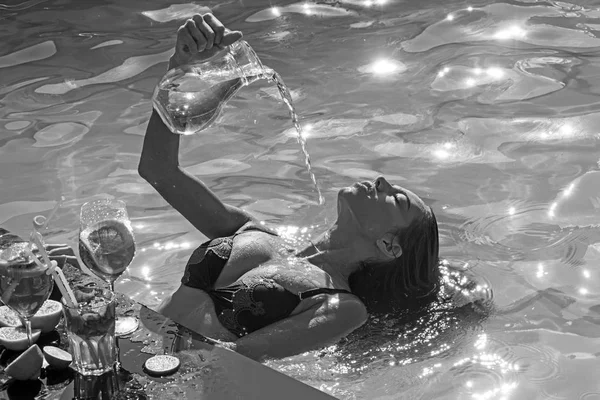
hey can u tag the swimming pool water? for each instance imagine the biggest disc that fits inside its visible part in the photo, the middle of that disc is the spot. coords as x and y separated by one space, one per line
488 110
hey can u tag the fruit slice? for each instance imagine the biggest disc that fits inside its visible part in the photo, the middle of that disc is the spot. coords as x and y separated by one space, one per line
161 365
8 317
28 365
46 319
57 358
15 338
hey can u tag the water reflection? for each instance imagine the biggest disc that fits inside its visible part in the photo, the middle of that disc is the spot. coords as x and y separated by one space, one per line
383 67
304 8
493 117
497 22
411 335
396 350
512 32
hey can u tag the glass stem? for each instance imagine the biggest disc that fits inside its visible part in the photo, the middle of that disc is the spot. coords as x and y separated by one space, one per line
28 331
117 348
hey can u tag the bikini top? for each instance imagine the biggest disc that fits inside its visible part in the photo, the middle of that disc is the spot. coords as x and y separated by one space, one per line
248 304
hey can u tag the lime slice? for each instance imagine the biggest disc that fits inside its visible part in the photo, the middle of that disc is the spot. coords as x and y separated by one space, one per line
46 318
57 358
15 338
161 365
126 325
28 365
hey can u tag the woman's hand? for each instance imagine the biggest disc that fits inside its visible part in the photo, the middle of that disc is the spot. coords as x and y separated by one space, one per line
200 38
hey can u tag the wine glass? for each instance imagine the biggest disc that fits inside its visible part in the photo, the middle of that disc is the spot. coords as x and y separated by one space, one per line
24 284
107 246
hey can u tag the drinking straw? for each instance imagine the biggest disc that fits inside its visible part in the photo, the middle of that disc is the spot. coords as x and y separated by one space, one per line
57 274
39 221
92 351
36 238
63 285
9 291
35 259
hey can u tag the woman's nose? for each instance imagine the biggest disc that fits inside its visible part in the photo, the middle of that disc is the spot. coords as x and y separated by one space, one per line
382 185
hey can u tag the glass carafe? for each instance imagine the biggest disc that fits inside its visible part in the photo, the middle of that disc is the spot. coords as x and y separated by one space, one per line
190 97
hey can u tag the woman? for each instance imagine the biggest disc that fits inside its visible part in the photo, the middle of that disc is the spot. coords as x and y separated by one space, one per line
245 287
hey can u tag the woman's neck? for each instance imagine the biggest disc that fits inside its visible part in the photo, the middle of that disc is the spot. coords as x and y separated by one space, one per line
335 254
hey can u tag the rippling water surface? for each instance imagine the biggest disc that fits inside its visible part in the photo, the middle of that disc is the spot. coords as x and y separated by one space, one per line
489 110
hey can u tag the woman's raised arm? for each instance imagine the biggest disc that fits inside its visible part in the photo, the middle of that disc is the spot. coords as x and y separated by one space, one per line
199 38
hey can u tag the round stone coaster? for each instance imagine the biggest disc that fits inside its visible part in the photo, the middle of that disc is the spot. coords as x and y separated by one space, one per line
161 365
126 325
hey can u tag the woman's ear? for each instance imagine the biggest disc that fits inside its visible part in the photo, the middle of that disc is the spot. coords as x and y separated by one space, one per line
390 246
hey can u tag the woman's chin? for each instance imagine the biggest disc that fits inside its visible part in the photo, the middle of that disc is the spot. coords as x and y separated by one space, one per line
346 197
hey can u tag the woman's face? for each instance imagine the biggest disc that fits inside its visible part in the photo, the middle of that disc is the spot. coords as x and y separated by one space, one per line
377 207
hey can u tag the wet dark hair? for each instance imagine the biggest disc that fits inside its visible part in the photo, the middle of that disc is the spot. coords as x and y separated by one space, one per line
407 281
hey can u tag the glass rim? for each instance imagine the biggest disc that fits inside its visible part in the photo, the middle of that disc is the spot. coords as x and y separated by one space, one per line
104 200
20 257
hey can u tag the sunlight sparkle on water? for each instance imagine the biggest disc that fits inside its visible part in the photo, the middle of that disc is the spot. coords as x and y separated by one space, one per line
443 72
512 32
441 154
306 130
449 17
276 11
583 291
504 389
383 67
551 210
469 9
586 274
511 211
567 130
495 72
429 370
540 271
481 341
567 192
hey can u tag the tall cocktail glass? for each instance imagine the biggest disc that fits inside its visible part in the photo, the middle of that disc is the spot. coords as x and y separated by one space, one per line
24 283
107 246
91 331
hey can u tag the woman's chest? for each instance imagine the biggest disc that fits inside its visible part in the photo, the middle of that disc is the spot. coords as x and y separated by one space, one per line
258 256
249 251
